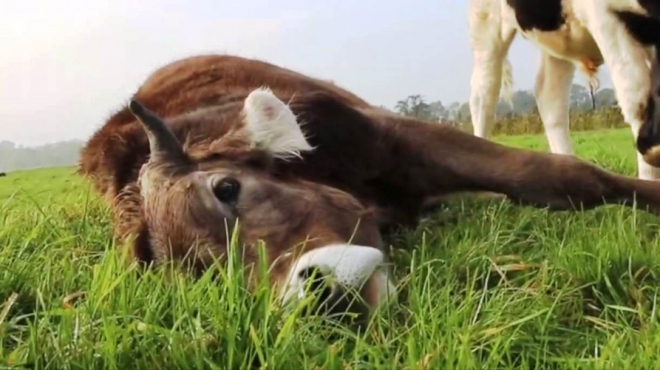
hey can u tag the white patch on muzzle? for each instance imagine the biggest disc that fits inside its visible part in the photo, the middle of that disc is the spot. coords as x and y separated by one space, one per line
272 126
351 267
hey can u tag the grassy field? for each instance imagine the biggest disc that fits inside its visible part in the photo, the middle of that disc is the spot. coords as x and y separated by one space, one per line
483 283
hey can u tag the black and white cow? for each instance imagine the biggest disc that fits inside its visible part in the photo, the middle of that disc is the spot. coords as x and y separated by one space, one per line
572 34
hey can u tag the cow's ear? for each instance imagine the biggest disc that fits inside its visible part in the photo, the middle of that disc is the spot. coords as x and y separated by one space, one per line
271 126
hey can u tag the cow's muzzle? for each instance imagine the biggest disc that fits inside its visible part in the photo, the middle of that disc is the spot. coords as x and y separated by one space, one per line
340 280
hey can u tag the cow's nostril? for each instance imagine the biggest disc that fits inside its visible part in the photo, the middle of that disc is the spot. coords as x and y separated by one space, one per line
332 300
316 283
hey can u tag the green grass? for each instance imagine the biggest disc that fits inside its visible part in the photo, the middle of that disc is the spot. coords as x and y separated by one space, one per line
483 284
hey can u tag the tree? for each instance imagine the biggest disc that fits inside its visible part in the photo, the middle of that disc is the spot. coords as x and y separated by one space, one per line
438 109
523 102
452 110
415 106
504 109
580 98
464 113
605 98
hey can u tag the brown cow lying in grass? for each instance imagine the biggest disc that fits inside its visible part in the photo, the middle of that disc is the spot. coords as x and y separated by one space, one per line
308 168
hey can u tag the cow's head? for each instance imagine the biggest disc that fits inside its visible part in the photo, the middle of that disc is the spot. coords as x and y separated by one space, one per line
644 29
190 206
648 141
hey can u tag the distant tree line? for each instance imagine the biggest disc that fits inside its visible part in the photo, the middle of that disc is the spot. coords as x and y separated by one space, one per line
522 103
15 157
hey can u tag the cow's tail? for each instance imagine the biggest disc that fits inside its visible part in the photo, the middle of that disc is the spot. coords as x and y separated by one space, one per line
507 81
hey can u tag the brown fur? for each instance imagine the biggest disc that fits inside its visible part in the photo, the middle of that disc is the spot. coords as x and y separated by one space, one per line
369 167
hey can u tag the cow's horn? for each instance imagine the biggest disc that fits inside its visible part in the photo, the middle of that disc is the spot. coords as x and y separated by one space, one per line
162 142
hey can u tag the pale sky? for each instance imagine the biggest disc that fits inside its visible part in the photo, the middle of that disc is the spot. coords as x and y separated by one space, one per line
65 66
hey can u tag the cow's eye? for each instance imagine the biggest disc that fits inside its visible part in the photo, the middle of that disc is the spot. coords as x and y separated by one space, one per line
227 190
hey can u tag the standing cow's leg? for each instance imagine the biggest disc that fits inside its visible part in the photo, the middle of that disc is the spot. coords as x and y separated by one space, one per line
553 85
627 60
490 44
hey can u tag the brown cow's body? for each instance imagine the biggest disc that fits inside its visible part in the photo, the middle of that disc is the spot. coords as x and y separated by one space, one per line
368 167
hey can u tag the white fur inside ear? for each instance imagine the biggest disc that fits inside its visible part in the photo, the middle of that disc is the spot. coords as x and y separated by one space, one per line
272 126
